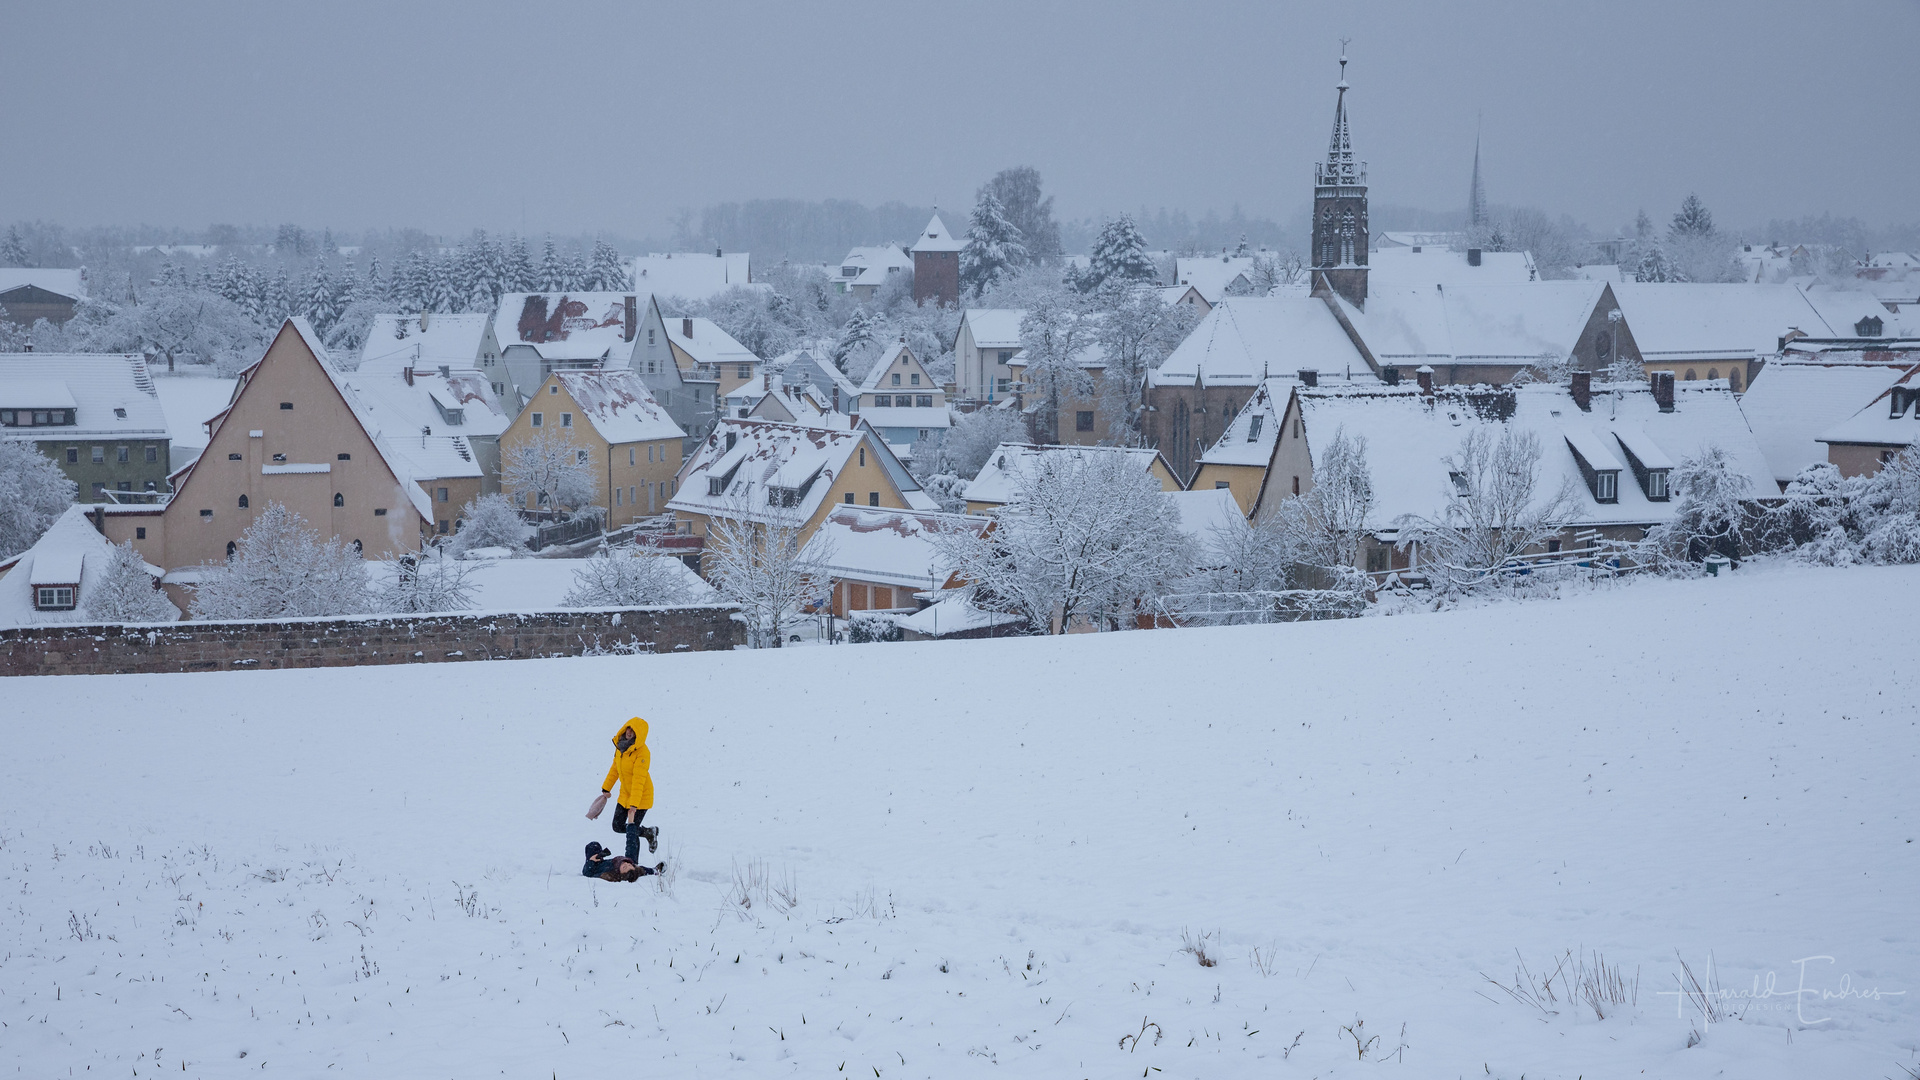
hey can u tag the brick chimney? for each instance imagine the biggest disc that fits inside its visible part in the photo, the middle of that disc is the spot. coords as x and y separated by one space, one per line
1583 390
686 328
627 330
1309 377
1425 375
1663 390
766 381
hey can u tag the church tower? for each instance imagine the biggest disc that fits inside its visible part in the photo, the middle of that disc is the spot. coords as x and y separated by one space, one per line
1340 211
1476 198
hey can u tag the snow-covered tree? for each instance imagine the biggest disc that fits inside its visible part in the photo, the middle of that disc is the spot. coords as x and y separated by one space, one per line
858 338
123 591
1120 255
1693 219
994 245
1054 333
13 250
759 560
551 273
1496 510
281 569
1551 367
1340 502
1655 266
1137 331
627 577
520 275
1272 269
33 495
487 522
1030 213
1710 512
1086 539
766 323
424 583
606 270
1298 547
573 271
181 323
971 441
550 471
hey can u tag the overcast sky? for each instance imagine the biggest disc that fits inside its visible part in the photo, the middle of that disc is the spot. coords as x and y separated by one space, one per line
518 115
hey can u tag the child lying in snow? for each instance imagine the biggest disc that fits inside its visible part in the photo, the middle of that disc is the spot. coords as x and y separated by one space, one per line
607 866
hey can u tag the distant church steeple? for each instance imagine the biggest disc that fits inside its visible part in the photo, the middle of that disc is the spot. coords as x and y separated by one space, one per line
1340 210
1477 198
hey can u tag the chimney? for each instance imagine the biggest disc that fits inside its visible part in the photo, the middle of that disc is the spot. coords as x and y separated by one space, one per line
1425 375
716 252
1473 256
1309 377
686 328
1663 390
632 319
407 374
1390 375
836 397
1583 390
766 381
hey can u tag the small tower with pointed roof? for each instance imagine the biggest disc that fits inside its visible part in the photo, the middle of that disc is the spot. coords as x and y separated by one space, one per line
936 264
1340 210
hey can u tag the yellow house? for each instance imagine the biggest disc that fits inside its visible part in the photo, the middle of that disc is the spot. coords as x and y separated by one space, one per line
761 471
1011 463
296 434
1081 420
703 351
1243 460
616 427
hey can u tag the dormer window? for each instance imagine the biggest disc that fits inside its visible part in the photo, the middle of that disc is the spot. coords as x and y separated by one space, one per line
1606 486
784 497
119 414
716 485
1657 485
1459 479
1868 327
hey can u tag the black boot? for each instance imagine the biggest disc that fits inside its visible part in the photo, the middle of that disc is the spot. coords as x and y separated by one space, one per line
652 833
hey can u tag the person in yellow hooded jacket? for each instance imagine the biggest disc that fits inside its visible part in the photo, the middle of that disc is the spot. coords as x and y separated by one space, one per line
632 770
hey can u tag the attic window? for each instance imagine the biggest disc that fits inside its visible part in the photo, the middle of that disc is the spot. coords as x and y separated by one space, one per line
233 457
1657 485
896 378
120 414
286 406
380 512
53 598
716 485
344 457
1253 429
1459 483
1606 485
1867 327
280 457
785 497
553 389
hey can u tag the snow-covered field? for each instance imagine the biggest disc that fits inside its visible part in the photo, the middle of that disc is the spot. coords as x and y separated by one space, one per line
994 848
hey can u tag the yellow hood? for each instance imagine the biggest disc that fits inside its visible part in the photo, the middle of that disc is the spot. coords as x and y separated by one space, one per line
639 727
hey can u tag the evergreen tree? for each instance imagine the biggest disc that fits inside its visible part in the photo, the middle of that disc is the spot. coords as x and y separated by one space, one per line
13 251
551 275
607 272
994 245
317 296
1693 219
443 276
376 287
1119 254
1018 190
413 283
1655 266
519 276
860 332
573 272
276 302
1643 226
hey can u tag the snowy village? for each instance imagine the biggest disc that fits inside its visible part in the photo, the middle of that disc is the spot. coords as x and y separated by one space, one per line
1460 631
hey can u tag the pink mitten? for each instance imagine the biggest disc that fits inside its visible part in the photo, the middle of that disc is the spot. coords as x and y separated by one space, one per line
599 804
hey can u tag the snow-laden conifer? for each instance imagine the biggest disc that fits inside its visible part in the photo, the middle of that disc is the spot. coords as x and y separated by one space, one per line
124 591
490 521
33 495
994 245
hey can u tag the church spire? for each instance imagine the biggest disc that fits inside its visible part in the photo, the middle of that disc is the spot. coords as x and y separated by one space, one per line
1477 198
1340 209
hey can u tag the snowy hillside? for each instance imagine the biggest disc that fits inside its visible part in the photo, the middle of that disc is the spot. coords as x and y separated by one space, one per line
993 849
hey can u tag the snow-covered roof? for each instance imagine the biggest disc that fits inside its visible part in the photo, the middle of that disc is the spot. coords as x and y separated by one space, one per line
1609 272
188 401
765 454
1244 443
1844 310
818 372
1891 284
1408 440
994 328
953 615
893 416
397 341
619 406
936 237
1674 321
1403 267
1890 419
1010 463
70 552
1393 239
1790 405
432 401
893 547
1213 275
708 344
111 396
873 265
566 326
691 275
1204 514
1245 339
70 283
1475 324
